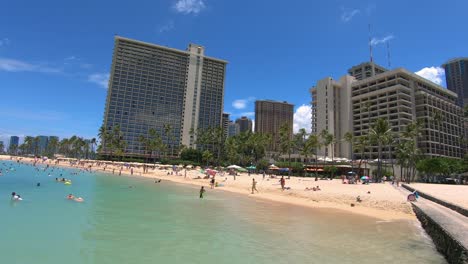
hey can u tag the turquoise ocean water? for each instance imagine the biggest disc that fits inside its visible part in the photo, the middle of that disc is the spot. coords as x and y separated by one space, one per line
168 223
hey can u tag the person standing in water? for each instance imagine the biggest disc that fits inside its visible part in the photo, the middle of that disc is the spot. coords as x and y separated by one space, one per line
202 191
254 186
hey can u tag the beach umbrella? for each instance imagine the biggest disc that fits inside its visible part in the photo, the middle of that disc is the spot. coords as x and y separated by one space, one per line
252 168
364 177
233 167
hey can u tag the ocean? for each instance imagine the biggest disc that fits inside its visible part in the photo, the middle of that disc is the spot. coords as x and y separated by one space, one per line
134 220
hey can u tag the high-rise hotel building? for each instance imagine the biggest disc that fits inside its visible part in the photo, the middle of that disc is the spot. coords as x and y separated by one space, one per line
153 86
270 116
397 95
456 75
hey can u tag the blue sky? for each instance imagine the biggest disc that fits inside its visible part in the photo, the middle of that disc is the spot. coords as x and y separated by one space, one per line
55 56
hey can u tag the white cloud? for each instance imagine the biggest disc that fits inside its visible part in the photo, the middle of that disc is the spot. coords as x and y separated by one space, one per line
242 103
189 6
239 104
433 74
12 65
100 78
348 14
4 42
303 118
377 41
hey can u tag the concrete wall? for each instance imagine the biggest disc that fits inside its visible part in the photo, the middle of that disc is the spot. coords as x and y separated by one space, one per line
453 251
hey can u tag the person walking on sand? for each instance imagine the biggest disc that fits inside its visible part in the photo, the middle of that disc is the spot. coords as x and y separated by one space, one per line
202 191
283 182
254 186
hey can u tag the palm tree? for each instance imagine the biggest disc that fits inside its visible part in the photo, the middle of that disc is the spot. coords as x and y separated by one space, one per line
379 133
391 141
361 145
169 137
329 140
207 156
152 143
36 145
52 146
93 145
118 142
349 137
286 143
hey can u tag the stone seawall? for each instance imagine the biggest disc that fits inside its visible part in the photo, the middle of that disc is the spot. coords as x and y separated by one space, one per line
452 206
454 252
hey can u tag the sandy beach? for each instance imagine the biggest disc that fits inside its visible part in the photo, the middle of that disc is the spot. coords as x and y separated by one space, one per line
382 201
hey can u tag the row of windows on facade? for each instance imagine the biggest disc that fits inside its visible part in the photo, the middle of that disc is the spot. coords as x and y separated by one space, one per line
164 69
171 65
213 82
155 55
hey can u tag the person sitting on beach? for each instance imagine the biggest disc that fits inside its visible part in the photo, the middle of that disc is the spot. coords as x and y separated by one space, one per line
70 197
358 199
318 188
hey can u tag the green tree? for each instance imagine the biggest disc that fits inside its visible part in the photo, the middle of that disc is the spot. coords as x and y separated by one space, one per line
36 145
207 157
314 144
52 147
286 143
349 137
361 145
329 141
379 134
191 154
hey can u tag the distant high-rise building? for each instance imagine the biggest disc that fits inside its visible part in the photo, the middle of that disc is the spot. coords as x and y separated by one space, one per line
456 75
14 142
42 144
270 116
399 96
245 124
2 145
225 123
233 129
153 86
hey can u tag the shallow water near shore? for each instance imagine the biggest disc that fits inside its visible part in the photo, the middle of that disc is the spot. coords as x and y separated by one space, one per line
167 223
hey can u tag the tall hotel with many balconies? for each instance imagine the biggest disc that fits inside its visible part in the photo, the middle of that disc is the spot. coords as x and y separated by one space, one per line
354 103
153 86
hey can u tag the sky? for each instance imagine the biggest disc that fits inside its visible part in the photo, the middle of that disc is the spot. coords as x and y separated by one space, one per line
55 56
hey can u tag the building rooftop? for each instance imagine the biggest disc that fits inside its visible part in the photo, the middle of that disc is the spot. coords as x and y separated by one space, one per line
274 101
455 60
167 48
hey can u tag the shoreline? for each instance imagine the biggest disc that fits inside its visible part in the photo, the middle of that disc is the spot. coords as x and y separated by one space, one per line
387 204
